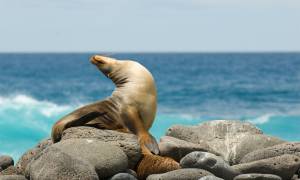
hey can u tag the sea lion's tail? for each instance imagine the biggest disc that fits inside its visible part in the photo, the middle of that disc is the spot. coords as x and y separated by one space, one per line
154 164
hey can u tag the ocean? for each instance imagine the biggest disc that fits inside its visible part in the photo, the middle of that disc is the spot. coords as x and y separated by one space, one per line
262 88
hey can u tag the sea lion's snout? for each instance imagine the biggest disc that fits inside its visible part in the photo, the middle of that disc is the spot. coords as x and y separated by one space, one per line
98 60
104 64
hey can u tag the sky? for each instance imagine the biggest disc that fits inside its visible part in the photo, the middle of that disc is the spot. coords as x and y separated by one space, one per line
149 25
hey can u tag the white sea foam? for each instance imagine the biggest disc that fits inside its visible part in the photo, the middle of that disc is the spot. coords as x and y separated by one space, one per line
261 119
26 111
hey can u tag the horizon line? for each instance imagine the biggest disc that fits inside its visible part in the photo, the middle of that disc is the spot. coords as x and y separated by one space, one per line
149 52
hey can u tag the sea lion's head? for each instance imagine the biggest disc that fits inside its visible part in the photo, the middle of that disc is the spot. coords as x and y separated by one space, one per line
105 64
122 71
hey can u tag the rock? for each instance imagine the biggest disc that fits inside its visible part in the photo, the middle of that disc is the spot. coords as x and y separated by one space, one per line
132 172
98 156
123 176
257 177
180 174
12 177
284 166
177 148
210 178
126 141
209 162
107 159
30 154
223 136
53 163
295 177
277 150
11 170
6 161
251 143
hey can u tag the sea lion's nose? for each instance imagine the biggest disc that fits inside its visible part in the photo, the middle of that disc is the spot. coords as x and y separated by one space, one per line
96 59
93 60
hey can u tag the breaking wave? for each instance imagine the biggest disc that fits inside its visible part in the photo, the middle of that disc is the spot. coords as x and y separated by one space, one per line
24 121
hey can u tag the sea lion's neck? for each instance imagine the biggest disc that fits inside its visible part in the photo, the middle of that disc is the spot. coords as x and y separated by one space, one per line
118 79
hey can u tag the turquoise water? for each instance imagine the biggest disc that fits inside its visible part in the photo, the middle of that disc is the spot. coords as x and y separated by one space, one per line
37 89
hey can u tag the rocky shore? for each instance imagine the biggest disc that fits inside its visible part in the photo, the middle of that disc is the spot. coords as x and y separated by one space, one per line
213 150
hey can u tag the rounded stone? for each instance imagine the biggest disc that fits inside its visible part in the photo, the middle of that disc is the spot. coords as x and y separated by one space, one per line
257 177
210 178
6 161
209 162
12 177
284 166
126 141
30 154
106 158
277 150
250 143
177 148
180 174
53 163
123 176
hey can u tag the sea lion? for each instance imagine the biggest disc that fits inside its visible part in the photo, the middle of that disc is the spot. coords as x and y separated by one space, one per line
131 107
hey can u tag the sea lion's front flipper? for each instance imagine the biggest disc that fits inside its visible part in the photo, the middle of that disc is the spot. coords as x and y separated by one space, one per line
134 123
71 120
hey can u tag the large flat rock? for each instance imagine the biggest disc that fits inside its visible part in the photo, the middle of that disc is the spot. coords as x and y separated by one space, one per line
284 166
226 137
180 174
277 150
78 158
126 141
257 177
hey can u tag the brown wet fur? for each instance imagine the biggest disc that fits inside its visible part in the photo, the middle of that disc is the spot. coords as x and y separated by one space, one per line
154 164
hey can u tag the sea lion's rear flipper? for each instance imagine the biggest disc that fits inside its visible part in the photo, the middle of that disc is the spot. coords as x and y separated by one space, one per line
149 142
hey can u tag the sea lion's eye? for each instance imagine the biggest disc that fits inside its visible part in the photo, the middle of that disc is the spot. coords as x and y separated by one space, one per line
101 62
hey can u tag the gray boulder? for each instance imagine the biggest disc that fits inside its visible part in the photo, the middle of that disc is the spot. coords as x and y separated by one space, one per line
277 150
11 170
177 148
257 177
209 162
30 154
223 136
250 143
180 174
210 178
123 176
126 141
12 177
6 161
98 156
132 172
53 163
284 166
